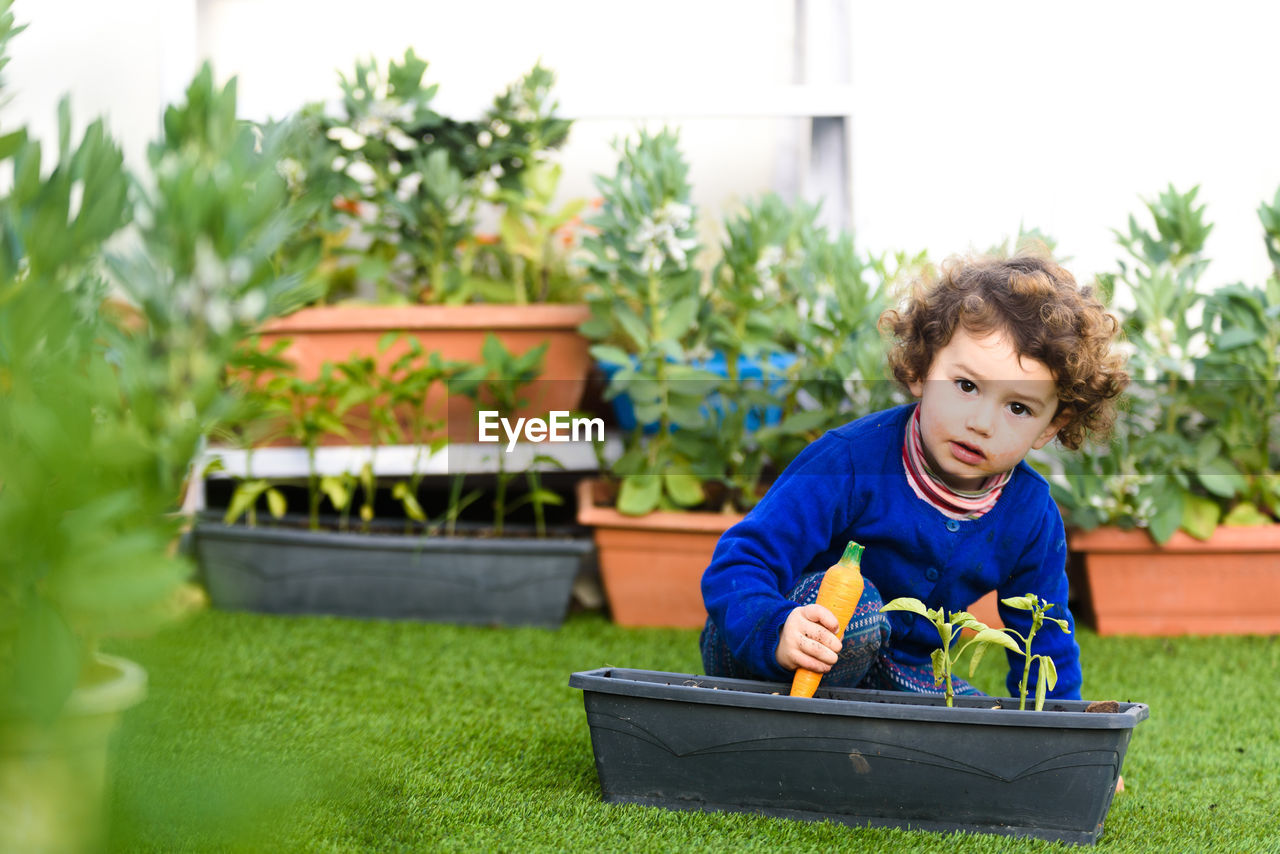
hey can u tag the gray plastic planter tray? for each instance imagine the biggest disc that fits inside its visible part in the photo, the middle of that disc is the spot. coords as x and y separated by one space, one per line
875 758
517 581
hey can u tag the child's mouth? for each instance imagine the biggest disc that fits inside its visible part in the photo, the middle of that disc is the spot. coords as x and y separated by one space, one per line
966 453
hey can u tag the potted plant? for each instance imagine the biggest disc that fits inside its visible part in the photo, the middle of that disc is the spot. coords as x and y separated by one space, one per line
644 312
366 548
862 757
400 198
728 374
1188 483
102 406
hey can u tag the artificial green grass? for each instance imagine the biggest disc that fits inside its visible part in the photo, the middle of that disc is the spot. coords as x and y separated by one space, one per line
323 734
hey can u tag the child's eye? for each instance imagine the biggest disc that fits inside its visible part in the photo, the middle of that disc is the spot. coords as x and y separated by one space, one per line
1019 408
966 386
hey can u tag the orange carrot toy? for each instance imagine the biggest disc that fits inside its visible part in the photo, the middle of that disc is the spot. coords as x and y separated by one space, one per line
840 591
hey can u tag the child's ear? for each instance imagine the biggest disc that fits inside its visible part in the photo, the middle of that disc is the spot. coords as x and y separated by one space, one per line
916 387
1059 421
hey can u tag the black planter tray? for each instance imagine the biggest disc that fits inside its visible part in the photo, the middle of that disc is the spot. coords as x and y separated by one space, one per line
487 581
875 758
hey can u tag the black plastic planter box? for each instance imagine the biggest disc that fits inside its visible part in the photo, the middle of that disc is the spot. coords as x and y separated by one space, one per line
516 581
875 758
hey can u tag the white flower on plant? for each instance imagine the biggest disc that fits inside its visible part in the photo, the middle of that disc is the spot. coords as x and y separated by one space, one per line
239 270
217 314
339 164
484 139
1198 345
395 168
361 172
251 306
500 128
347 138
292 172
766 267
400 140
651 260
658 237
408 186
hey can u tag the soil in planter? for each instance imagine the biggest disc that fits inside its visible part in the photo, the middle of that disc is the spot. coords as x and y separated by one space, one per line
476 520
604 493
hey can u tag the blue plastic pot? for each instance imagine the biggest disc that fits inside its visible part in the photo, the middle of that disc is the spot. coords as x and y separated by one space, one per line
749 371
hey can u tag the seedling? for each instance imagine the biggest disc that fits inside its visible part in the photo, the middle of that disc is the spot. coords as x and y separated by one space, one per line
1047 676
948 627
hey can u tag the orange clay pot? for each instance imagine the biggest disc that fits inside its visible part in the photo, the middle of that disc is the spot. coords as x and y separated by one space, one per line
651 566
1228 584
335 333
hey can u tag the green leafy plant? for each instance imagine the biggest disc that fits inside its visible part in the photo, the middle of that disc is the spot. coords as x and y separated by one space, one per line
949 628
1196 445
498 383
398 192
393 404
643 310
1047 675
102 411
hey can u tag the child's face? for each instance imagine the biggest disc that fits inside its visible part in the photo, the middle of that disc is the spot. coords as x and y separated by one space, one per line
982 408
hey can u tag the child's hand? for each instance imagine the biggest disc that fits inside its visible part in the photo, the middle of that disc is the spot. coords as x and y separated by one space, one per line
808 639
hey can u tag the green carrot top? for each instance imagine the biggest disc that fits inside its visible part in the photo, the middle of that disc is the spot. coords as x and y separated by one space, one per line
852 554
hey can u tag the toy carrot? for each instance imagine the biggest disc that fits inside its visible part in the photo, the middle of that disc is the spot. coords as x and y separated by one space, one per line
840 591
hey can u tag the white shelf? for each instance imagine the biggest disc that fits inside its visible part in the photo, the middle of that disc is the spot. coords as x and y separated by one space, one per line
400 460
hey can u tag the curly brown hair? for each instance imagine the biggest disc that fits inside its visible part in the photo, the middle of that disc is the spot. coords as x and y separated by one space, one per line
1047 316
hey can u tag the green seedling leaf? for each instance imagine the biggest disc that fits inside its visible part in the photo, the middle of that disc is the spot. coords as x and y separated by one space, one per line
939 659
906 603
997 637
683 488
244 497
978 653
276 504
1199 516
1041 691
1022 603
639 494
1048 671
335 489
1246 514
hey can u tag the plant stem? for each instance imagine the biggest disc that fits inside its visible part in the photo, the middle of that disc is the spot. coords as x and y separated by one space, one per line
1026 670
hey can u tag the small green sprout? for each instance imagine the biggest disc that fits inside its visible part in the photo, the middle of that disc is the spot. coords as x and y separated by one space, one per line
1048 675
943 659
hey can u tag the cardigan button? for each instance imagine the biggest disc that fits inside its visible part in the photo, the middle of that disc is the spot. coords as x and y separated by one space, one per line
931 573
953 525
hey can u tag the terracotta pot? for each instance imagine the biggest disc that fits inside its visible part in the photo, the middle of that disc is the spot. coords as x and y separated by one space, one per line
1228 584
651 566
335 333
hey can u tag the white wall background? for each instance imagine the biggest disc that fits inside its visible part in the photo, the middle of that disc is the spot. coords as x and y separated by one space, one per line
967 118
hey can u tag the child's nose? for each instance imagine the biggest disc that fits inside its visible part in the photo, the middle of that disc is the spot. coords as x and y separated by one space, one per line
979 420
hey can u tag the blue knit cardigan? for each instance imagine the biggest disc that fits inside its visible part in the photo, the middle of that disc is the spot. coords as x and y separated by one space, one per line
850 485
